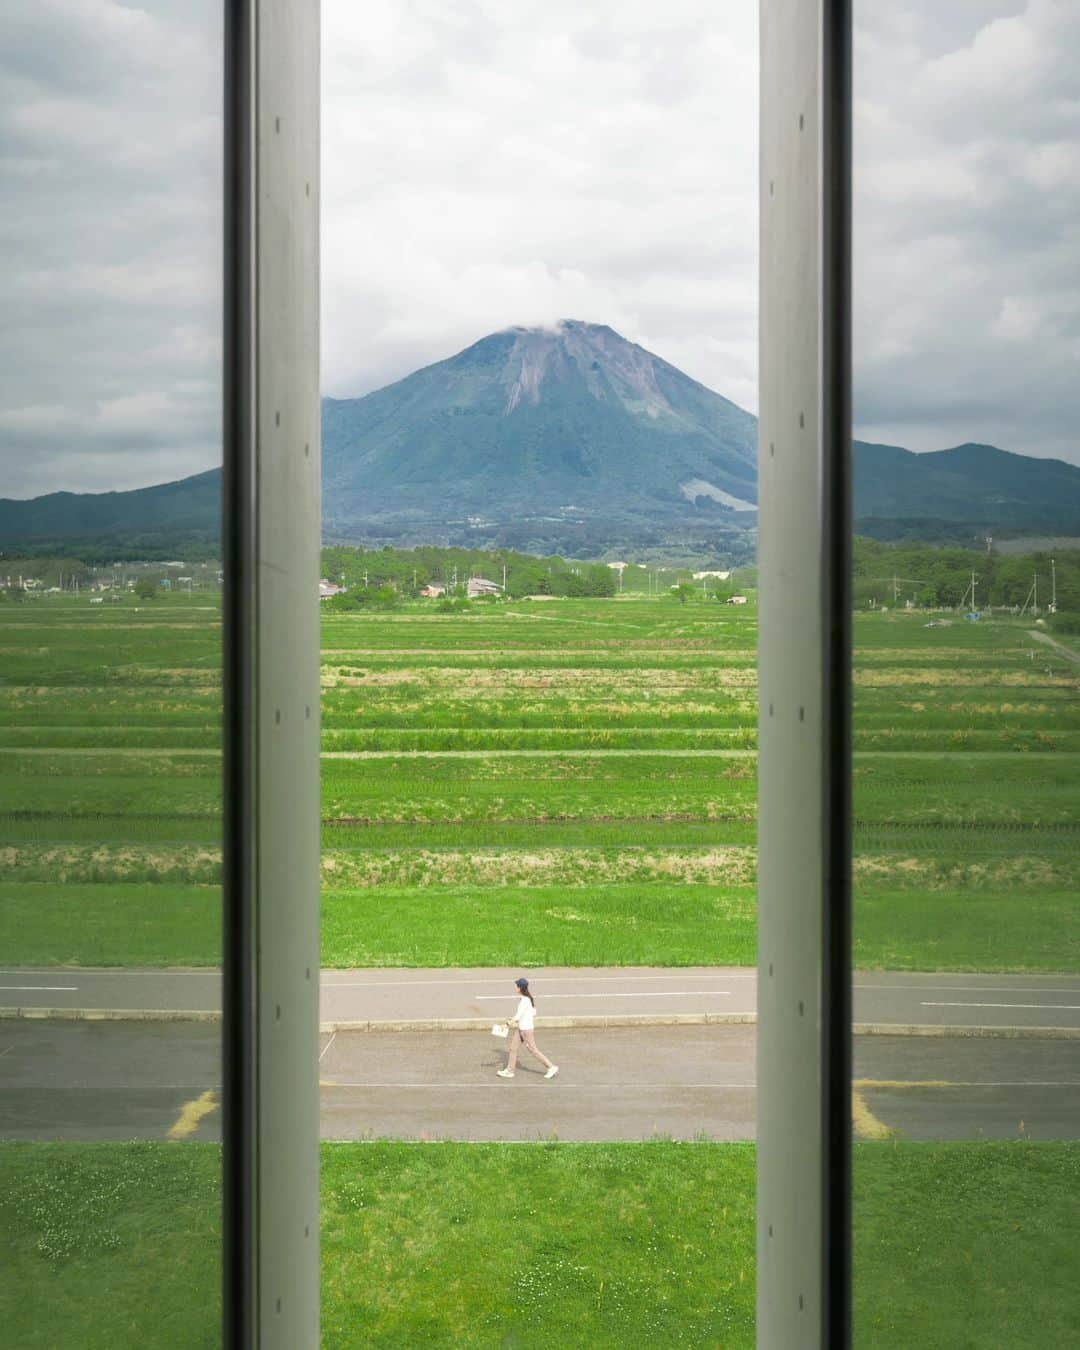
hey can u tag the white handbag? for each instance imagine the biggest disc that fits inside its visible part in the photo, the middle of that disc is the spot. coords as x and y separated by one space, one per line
500 1029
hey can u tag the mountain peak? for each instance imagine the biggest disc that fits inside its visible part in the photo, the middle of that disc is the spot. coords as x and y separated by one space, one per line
570 412
570 436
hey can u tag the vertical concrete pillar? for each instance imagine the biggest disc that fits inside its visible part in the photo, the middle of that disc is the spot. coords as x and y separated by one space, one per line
804 662
272 541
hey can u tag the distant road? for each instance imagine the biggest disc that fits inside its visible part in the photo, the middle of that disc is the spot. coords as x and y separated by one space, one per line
374 997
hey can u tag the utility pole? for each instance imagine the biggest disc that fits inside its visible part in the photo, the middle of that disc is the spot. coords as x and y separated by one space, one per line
895 590
973 591
1053 587
1035 592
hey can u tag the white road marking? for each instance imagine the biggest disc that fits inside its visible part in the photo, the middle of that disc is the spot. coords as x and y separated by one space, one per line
967 988
639 993
40 988
869 1085
697 1087
595 1087
547 979
329 1043
1063 1007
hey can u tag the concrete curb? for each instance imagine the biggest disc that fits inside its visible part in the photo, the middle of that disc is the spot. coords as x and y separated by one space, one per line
1003 1033
484 1023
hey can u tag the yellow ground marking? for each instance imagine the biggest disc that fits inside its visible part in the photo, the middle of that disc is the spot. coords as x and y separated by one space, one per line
188 1120
867 1125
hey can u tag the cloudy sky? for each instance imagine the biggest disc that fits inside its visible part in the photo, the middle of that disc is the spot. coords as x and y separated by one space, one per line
487 164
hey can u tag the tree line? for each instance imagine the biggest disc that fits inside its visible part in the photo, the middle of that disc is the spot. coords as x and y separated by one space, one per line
942 577
407 571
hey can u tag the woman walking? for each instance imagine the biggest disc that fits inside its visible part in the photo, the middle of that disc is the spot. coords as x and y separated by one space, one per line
522 1023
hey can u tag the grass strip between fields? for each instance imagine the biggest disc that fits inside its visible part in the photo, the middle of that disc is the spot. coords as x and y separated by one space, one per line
109 1246
674 924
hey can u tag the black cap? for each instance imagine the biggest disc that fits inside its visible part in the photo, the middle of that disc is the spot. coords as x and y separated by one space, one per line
522 983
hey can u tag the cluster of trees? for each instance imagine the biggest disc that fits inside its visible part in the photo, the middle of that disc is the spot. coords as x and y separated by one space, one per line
406 571
933 577
375 597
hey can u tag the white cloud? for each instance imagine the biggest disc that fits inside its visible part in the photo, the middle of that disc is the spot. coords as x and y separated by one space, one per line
488 164
110 347
967 215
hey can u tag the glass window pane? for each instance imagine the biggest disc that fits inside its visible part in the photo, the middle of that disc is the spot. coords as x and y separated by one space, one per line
539 710
110 675
967 581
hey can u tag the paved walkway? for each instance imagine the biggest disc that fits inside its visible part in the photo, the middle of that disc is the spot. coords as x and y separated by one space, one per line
471 999
155 1080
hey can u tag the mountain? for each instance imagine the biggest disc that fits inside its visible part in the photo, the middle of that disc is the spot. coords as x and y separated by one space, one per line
538 425
568 439
969 484
182 516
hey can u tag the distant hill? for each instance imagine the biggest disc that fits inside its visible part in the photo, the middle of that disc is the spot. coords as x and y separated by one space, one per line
183 516
572 439
971 484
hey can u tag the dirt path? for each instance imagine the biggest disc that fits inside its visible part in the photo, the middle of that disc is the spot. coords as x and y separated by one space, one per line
1059 647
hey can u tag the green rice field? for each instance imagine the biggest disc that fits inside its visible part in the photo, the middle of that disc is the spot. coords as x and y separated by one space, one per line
559 781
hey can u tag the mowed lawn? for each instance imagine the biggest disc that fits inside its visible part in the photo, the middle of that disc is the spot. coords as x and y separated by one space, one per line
563 782
111 1246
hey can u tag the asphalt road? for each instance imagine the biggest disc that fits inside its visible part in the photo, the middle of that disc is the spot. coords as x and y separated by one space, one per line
125 1080
363 997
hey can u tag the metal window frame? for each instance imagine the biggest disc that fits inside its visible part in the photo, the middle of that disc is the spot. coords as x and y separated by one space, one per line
270 549
270 545
804 761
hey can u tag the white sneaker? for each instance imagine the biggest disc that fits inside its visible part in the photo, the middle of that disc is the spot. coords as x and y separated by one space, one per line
552 1071
505 1073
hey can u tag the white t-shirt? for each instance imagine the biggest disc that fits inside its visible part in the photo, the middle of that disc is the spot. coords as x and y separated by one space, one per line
526 1014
